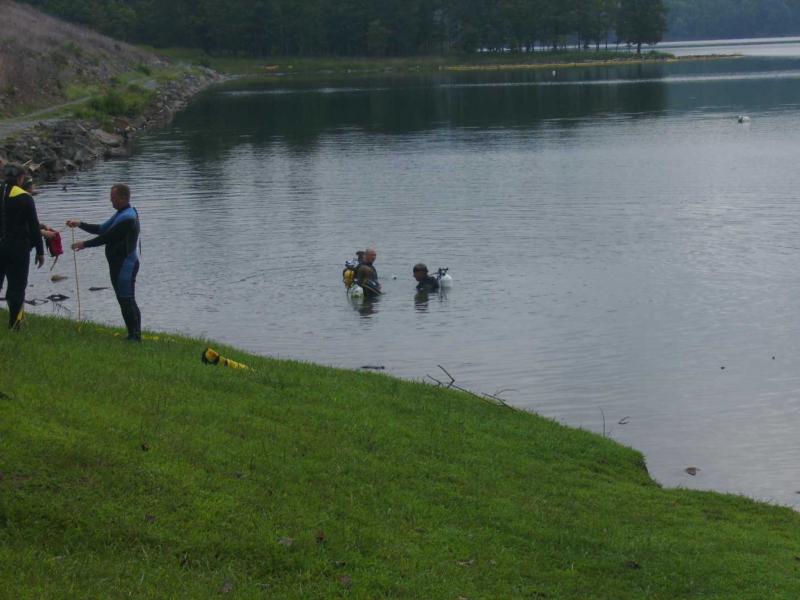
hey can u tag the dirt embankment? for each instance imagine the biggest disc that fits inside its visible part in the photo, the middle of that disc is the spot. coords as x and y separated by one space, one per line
54 148
46 62
44 59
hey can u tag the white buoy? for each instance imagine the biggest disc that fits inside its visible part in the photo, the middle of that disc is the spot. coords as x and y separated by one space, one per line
447 281
356 291
743 119
555 74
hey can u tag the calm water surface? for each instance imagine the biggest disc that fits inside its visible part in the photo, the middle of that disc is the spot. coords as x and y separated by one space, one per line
768 47
615 235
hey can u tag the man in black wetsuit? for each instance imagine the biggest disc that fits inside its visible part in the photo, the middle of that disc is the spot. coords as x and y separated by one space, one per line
120 236
425 282
47 232
19 232
367 274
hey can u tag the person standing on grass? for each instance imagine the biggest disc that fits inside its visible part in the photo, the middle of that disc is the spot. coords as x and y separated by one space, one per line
120 236
19 232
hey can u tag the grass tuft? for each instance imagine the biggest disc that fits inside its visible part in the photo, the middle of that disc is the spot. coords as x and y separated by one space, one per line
118 101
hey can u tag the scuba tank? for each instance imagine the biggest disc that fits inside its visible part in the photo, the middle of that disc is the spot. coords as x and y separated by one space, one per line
349 278
349 273
444 278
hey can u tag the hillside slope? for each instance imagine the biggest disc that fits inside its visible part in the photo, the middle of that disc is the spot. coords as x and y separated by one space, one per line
44 60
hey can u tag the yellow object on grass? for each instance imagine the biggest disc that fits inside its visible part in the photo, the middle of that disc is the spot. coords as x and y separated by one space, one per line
212 357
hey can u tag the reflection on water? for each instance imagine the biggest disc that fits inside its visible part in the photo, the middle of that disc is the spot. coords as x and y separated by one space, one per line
421 301
425 301
615 241
366 306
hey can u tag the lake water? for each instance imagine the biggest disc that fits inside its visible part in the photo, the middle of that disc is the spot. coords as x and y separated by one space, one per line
616 239
786 47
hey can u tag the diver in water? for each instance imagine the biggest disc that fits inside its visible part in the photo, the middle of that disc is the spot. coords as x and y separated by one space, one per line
425 282
367 274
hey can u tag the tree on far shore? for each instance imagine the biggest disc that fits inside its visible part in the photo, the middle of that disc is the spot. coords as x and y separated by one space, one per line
641 22
370 27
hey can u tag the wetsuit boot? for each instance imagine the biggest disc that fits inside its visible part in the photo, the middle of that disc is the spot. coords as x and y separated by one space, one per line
15 263
15 297
132 317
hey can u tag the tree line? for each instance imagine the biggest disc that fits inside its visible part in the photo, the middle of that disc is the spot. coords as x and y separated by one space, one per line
717 19
369 27
408 27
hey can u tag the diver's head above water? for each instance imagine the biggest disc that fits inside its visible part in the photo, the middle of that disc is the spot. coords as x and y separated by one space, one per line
420 271
425 283
370 254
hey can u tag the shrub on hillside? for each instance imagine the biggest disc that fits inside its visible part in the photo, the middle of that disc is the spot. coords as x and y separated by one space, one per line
116 102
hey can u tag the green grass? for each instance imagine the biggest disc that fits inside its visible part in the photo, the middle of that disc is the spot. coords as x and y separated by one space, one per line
136 471
353 65
123 95
126 95
78 90
118 101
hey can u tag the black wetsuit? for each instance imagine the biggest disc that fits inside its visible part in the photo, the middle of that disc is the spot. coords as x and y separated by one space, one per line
367 278
120 236
429 284
19 232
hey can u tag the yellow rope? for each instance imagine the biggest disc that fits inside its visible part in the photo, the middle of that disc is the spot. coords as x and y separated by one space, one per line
77 281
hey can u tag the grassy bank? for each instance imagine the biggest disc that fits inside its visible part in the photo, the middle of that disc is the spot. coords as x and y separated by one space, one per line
137 471
127 95
272 66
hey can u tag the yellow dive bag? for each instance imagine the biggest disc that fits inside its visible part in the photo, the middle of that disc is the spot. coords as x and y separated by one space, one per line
212 357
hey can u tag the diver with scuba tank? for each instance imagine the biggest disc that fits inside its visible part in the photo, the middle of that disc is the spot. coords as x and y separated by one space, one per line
360 276
425 282
367 274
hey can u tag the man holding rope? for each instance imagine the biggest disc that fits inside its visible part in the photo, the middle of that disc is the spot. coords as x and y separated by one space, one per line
19 232
120 236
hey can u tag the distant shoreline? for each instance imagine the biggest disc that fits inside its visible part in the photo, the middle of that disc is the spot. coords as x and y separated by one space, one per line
280 67
592 63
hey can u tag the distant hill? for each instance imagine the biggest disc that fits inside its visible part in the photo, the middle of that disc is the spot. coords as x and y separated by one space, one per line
719 19
45 61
